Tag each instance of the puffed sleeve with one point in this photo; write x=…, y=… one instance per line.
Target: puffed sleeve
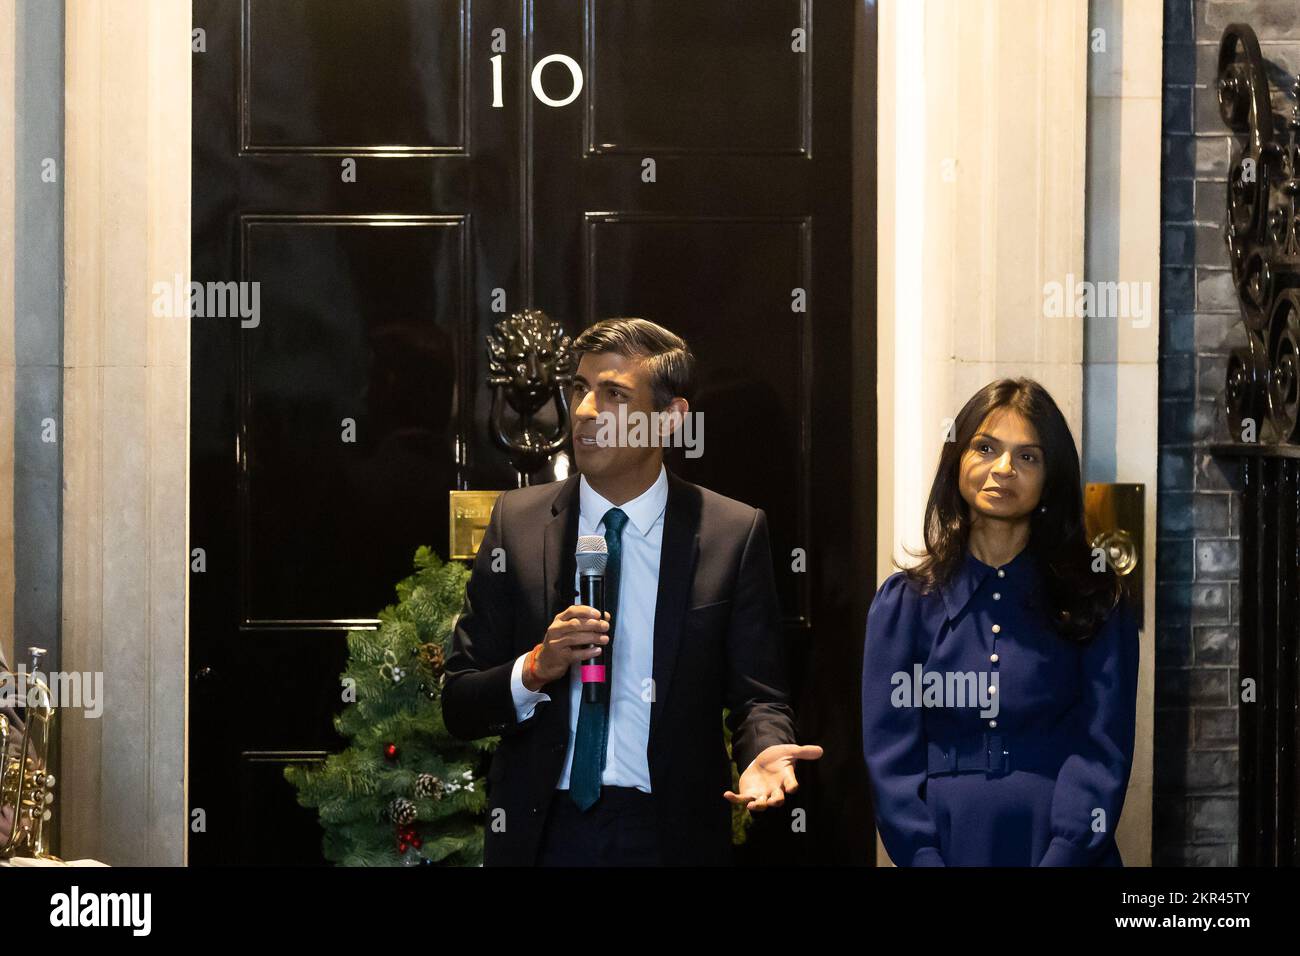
x=1091, y=784
x=893, y=738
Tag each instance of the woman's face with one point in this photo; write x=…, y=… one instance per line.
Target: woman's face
x=1002, y=469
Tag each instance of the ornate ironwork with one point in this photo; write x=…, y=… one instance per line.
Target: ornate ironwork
x=530, y=363
x=1262, y=390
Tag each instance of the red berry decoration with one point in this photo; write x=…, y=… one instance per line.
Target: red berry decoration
x=390, y=751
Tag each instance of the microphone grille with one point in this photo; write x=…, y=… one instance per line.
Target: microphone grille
x=592, y=554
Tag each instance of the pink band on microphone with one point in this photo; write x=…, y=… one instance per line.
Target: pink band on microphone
x=593, y=673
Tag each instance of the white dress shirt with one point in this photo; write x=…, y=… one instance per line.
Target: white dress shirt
x=626, y=762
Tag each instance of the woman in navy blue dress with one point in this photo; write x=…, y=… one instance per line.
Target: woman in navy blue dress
x=999, y=678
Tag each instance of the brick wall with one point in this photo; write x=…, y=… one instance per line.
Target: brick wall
x=1198, y=594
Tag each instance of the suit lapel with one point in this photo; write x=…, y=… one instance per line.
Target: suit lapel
x=561, y=544
x=559, y=566
x=678, y=554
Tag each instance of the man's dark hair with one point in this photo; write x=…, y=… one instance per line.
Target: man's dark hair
x=667, y=357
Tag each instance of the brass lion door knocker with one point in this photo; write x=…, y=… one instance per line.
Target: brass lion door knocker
x=530, y=362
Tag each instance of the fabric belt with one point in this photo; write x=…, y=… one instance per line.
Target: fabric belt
x=995, y=754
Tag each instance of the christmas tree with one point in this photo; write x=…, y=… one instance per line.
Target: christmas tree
x=404, y=792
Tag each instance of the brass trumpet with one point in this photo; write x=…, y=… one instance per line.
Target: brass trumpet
x=26, y=785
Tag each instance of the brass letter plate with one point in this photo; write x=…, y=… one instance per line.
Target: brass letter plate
x=470, y=511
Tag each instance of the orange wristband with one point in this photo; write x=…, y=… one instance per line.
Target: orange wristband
x=530, y=665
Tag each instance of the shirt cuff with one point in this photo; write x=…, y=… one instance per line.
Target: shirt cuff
x=1061, y=852
x=526, y=700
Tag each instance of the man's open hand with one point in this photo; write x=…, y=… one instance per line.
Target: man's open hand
x=770, y=777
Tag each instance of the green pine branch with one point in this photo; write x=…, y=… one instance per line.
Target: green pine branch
x=396, y=681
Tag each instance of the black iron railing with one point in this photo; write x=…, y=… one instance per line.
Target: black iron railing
x=1261, y=401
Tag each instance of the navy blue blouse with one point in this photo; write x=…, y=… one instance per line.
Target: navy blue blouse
x=990, y=739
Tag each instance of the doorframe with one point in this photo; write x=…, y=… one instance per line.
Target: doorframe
x=864, y=408
x=125, y=438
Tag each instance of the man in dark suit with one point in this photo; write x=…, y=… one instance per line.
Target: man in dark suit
x=642, y=776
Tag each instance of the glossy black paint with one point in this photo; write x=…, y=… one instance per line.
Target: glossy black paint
x=376, y=294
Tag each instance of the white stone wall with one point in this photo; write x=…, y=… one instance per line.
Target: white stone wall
x=985, y=168
x=126, y=401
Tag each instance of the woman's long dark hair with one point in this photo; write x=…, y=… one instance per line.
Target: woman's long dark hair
x=1078, y=598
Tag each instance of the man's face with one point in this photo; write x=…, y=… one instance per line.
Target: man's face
x=603, y=382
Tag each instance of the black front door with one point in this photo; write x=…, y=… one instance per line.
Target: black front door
x=352, y=160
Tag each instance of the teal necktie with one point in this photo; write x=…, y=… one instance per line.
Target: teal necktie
x=593, y=718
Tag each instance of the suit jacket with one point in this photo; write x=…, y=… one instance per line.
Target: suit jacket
x=717, y=642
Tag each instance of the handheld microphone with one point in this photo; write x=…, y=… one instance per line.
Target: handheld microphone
x=592, y=555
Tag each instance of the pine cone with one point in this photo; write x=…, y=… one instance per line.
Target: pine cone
x=401, y=811
x=427, y=785
x=432, y=657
